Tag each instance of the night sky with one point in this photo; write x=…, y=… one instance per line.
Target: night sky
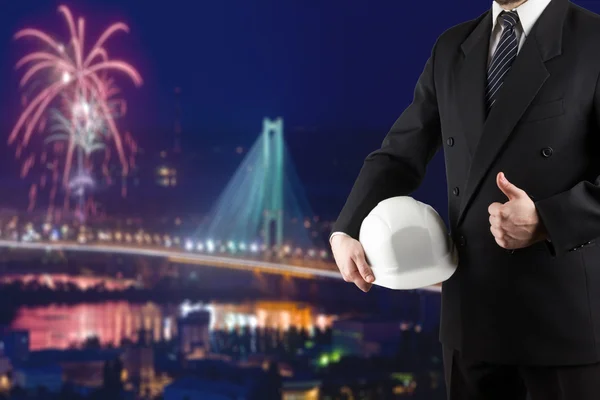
x=339, y=72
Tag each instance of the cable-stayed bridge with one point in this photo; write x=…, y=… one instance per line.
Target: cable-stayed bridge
x=176, y=255
x=262, y=222
x=264, y=201
x=292, y=267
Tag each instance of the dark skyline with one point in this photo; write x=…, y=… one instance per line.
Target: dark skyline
x=339, y=74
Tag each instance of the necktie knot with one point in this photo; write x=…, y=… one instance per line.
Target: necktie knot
x=509, y=19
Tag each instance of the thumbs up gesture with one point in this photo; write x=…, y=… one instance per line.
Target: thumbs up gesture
x=516, y=223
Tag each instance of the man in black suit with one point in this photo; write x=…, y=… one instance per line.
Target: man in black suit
x=513, y=97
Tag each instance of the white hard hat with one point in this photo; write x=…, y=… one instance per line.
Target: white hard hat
x=407, y=244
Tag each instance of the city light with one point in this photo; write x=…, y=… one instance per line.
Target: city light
x=54, y=235
x=231, y=245
x=33, y=233
x=210, y=246
x=187, y=308
x=103, y=236
x=324, y=360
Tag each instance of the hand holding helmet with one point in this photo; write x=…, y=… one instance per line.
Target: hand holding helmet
x=407, y=244
x=403, y=244
x=350, y=258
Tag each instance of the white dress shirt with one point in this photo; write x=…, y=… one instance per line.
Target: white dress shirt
x=529, y=12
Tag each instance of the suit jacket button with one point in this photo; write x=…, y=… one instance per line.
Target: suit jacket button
x=455, y=191
x=450, y=141
x=462, y=241
x=547, y=152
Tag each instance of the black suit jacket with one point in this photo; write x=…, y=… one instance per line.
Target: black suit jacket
x=538, y=305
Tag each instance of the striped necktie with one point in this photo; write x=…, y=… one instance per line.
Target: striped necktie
x=503, y=57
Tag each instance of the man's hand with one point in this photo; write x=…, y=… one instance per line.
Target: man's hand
x=516, y=223
x=350, y=258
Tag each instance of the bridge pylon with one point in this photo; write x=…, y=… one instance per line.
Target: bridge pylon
x=273, y=164
x=263, y=206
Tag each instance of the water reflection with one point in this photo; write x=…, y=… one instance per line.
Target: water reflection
x=69, y=326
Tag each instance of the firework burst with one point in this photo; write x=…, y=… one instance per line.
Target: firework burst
x=78, y=97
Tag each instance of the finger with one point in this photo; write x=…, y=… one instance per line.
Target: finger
x=502, y=243
x=346, y=277
x=362, y=285
x=494, y=220
x=349, y=271
x=352, y=274
x=494, y=209
x=363, y=267
x=497, y=232
x=509, y=189
x=505, y=241
x=343, y=264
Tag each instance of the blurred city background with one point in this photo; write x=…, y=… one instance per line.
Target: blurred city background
x=169, y=175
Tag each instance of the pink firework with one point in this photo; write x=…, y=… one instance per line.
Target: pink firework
x=76, y=77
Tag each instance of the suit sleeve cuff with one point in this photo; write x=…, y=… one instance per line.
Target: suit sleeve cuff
x=547, y=209
x=550, y=247
x=335, y=234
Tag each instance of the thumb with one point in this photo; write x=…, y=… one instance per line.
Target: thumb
x=509, y=189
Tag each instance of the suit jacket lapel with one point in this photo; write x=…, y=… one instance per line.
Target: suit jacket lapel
x=525, y=78
x=472, y=81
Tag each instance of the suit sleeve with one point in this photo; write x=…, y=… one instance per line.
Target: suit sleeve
x=572, y=218
x=398, y=167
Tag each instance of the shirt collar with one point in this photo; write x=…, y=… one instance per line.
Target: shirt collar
x=529, y=12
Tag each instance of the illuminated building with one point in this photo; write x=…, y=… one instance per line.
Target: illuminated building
x=308, y=390
x=5, y=368
x=15, y=345
x=138, y=367
x=195, y=388
x=30, y=378
x=213, y=379
x=80, y=367
x=366, y=337
x=166, y=172
x=193, y=331
x=166, y=176
x=138, y=362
